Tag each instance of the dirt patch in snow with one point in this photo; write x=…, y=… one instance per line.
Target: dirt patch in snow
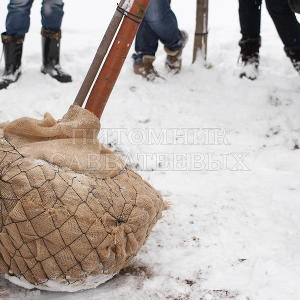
x=138, y=270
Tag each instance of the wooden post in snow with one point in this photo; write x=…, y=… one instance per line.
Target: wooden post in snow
x=201, y=33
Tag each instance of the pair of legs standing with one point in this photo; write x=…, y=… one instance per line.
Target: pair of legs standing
x=17, y=25
x=18, y=16
x=159, y=24
x=285, y=22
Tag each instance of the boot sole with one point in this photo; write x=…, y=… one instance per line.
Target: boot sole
x=244, y=75
x=9, y=82
x=57, y=78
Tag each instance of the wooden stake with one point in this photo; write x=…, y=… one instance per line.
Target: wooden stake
x=116, y=57
x=201, y=33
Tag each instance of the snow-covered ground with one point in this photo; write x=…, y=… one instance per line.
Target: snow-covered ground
x=233, y=230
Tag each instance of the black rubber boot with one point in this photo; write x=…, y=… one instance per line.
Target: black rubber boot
x=294, y=54
x=249, y=57
x=51, y=52
x=12, y=49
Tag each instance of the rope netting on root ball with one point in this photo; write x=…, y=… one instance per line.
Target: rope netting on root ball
x=72, y=214
x=67, y=223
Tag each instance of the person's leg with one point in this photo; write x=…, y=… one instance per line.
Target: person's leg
x=18, y=17
x=285, y=21
x=287, y=27
x=12, y=50
x=17, y=25
x=163, y=22
x=250, y=22
x=146, y=42
x=250, y=18
x=160, y=23
x=52, y=15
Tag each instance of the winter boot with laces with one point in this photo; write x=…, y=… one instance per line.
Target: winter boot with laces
x=144, y=66
x=51, y=53
x=294, y=54
x=12, y=49
x=249, y=57
x=174, y=58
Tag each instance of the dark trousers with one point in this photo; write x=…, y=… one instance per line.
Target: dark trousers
x=18, y=17
x=284, y=19
x=159, y=24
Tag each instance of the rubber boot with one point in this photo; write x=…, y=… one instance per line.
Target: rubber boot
x=51, y=54
x=249, y=57
x=12, y=49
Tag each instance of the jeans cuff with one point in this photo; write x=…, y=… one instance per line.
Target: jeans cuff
x=138, y=56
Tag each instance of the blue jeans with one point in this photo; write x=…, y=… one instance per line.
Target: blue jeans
x=284, y=19
x=160, y=23
x=18, y=17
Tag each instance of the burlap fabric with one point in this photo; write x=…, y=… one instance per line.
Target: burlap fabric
x=70, y=209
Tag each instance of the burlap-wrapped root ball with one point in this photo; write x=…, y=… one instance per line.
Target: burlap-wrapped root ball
x=72, y=214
